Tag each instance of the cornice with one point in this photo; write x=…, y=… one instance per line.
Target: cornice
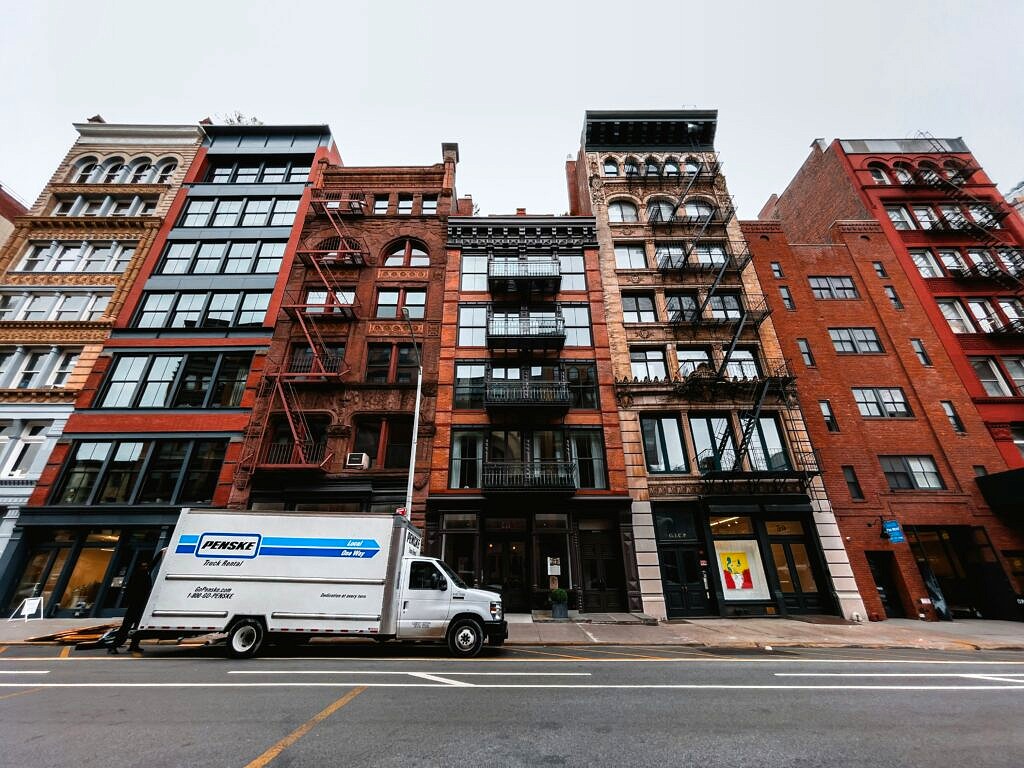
x=38, y=395
x=761, y=227
x=88, y=222
x=109, y=189
x=523, y=232
x=124, y=133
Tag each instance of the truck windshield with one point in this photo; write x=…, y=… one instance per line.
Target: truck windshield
x=452, y=575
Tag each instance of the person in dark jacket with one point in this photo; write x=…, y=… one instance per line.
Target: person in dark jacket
x=138, y=589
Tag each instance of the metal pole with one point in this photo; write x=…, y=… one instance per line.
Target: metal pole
x=415, y=416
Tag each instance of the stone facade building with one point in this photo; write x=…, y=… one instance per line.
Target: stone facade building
x=65, y=271
x=728, y=511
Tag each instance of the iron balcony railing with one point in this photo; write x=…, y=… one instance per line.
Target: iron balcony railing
x=499, y=394
x=529, y=476
x=526, y=330
x=305, y=454
x=697, y=259
x=753, y=309
x=720, y=215
x=304, y=364
x=758, y=462
x=518, y=269
x=342, y=202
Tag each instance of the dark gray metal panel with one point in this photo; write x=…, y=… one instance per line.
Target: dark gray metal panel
x=211, y=282
x=230, y=233
x=246, y=190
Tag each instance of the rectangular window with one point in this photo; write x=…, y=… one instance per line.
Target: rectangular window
x=777, y=269
x=911, y=472
x=882, y=402
x=954, y=418
x=925, y=262
x=805, y=352
x=1015, y=367
x=469, y=385
x=879, y=269
x=833, y=287
x=202, y=310
x=586, y=446
x=404, y=205
x=429, y=207
x=990, y=376
x=648, y=364
x=582, y=381
x=787, y=297
x=227, y=213
x=667, y=255
x=113, y=472
x=638, y=308
x=26, y=440
x=828, y=415
x=691, y=358
x=472, y=326
x=1017, y=432
x=663, y=444
x=900, y=217
x=629, y=256
x=955, y=315
x=62, y=370
x=725, y=306
x=284, y=213
x=474, y=273
x=380, y=204
x=952, y=261
x=855, y=341
x=391, y=302
x=767, y=451
x=921, y=352
x=894, y=298
x=682, y=307
x=467, y=459
x=713, y=443
x=256, y=213
x=573, y=273
x=577, y=326
x=925, y=216
x=195, y=380
x=852, y=484
x=984, y=314
x=391, y=364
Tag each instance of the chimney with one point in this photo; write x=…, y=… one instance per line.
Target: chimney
x=520, y=211
x=450, y=151
x=96, y=119
x=206, y=121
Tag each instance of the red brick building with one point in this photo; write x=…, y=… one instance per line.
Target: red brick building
x=332, y=425
x=528, y=480
x=895, y=267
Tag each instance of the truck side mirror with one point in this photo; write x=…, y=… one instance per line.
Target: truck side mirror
x=440, y=583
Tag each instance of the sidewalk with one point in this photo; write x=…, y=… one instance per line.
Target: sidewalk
x=715, y=633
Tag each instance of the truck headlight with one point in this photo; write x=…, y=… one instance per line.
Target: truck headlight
x=496, y=611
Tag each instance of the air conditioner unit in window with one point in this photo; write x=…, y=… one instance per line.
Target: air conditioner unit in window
x=357, y=461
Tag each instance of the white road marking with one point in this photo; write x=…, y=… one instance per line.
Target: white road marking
x=1002, y=679
x=586, y=632
x=894, y=674
x=445, y=680
x=375, y=672
x=24, y=671
x=494, y=686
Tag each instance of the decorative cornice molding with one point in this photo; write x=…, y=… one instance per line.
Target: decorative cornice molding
x=515, y=232
x=115, y=223
x=761, y=226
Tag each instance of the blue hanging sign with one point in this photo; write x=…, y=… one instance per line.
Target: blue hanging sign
x=893, y=531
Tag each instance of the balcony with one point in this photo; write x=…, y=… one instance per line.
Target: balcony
x=329, y=252
x=307, y=455
x=341, y=312
x=526, y=332
x=751, y=311
x=739, y=381
x=1010, y=327
x=759, y=468
x=697, y=260
x=694, y=216
x=548, y=396
x=529, y=477
x=339, y=202
x=523, y=275
x=307, y=369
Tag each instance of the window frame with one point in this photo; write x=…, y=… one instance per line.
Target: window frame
x=832, y=288
x=901, y=465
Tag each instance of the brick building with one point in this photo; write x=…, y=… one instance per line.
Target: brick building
x=332, y=424
x=65, y=272
x=10, y=206
x=728, y=513
x=160, y=419
x=906, y=256
x=527, y=482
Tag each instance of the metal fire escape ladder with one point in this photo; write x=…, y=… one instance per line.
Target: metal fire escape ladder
x=751, y=423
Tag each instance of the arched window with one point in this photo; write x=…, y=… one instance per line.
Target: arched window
x=611, y=166
x=955, y=171
x=651, y=167
x=631, y=167
x=622, y=211
x=141, y=171
x=903, y=173
x=879, y=174
x=112, y=170
x=692, y=167
x=660, y=210
x=407, y=253
x=165, y=170
x=671, y=167
x=929, y=172
x=698, y=209
x=86, y=168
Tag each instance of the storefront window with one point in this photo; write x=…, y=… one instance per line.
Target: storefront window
x=466, y=522
x=86, y=579
x=30, y=577
x=550, y=521
x=740, y=570
x=785, y=528
x=675, y=525
x=782, y=569
x=459, y=551
x=730, y=526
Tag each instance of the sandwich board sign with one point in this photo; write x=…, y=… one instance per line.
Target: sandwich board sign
x=30, y=608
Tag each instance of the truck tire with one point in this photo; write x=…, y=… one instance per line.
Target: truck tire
x=465, y=638
x=244, y=639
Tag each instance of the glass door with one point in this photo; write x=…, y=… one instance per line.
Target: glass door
x=795, y=569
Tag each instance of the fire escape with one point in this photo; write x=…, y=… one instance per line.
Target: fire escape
x=284, y=435
x=953, y=184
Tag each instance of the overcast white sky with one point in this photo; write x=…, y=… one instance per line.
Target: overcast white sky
x=510, y=81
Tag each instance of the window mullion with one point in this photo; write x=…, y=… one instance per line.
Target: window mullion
x=143, y=472
x=218, y=362
x=179, y=375
x=183, y=471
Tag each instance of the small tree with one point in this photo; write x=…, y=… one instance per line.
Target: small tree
x=239, y=118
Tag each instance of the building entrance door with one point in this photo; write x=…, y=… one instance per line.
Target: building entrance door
x=601, y=562
x=883, y=571
x=794, y=568
x=505, y=569
x=685, y=581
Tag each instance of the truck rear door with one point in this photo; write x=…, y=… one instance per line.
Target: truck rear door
x=425, y=601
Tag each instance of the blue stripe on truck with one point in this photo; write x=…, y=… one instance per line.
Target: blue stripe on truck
x=288, y=541
x=317, y=552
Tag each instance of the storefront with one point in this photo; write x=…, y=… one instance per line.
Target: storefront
x=521, y=555
x=750, y=559
x=81, y=572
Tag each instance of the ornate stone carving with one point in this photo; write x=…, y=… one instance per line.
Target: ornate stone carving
x=1000, y=431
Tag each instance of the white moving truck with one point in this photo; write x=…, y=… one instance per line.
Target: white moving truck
x=292, y=576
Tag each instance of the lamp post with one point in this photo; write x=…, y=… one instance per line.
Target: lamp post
x=415, y=415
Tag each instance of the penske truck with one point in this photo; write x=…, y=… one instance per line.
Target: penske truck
x=273, y=577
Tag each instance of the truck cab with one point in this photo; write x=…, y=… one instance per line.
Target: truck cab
x=435, y=604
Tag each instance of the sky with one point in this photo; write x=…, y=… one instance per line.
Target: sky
x=510, y=82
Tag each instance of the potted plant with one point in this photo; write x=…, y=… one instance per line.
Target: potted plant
x=559, y=603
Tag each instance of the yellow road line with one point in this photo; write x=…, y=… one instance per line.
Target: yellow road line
x=302, y=730
x=19, y=693
x=65, y=651
x=3, y=648
x=550, y=653
x=645, y=657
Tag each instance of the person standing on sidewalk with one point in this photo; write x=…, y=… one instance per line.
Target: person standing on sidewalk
x=138, y=589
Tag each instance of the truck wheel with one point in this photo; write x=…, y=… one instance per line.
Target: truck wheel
x=465, y=638
x=244, y=639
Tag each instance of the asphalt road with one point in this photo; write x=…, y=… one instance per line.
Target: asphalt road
x=623, y=706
